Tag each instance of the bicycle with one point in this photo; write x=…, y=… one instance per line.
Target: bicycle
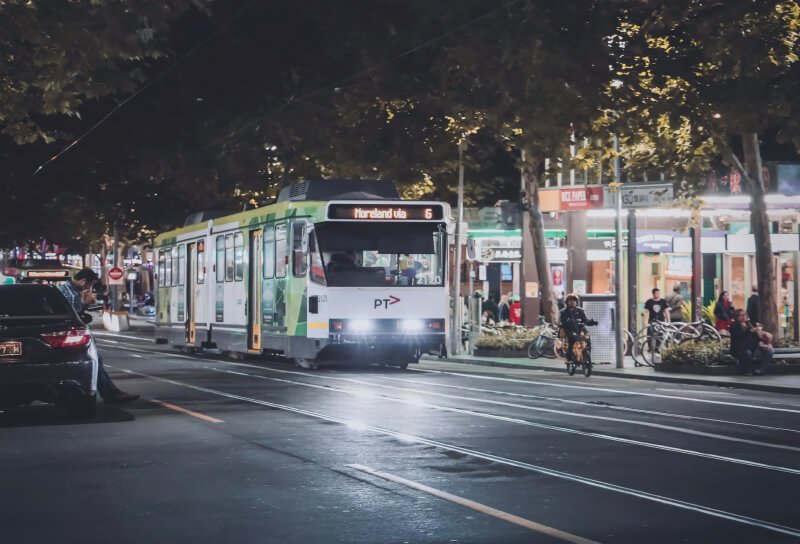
x=581, y=350
x=652, y=339
x=544, y=344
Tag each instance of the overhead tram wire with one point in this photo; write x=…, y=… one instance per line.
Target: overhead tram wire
x=149, y=84
x=311, y=94
x=337, y=84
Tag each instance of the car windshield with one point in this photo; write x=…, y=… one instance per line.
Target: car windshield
x=397, y=254
x=32, y=301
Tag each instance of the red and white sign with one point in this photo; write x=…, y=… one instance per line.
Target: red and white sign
x=581, y=198
x=115, y=276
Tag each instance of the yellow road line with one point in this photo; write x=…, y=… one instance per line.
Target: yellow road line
x=174, y=408
x=478, y=507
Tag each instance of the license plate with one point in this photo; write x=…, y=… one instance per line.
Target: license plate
x=10, y=348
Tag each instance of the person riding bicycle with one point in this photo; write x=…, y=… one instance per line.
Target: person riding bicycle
x=572, y=319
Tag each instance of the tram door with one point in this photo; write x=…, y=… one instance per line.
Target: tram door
x=254, y=294
x=189, y=292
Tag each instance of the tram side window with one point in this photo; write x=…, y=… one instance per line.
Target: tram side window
x=201, y=261
x=181, y=264
x=229, y=257
x=220, y=267
x=160, y=270
x=298, y=256
x=174, y=266
x=168, y=268
x=281, y=251
x=317, y=274
x=269, y=253
x=238, y=256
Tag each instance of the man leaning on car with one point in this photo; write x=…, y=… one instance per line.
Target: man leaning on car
x=73, y=291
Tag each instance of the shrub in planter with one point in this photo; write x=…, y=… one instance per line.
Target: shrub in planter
x=509, y=339
x=697, y=353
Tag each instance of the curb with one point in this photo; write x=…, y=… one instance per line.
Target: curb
x=768, y=388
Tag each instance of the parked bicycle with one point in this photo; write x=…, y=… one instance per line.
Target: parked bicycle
x=545, y=342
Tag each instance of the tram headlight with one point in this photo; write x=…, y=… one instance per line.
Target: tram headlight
x=361, y=325
x=412, y=325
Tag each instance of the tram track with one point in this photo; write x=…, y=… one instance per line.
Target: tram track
x=593, y=405
x=509, y=419
x=775, y=528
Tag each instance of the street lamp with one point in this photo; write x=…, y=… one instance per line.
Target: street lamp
x=620, y=355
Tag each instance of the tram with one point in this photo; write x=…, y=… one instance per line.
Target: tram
x=334, y=270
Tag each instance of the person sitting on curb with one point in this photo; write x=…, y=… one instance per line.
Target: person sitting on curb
x=749, y=344
x=73, y=291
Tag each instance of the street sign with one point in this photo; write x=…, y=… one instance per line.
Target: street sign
x=133, y=275
x=115, y=276
x=636, y=195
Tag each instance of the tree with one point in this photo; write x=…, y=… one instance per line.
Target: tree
x=57, y=55
x=722, y=71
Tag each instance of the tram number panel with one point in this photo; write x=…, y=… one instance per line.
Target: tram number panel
x=406, y=212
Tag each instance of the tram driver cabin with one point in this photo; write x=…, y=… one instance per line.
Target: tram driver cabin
x=334, y=270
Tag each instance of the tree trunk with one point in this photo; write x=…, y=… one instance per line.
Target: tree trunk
x=760, y=225
x=549, y=307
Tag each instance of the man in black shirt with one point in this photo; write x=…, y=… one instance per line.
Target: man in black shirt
x=656, y=309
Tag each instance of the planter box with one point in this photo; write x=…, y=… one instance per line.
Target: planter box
x=502, y=353
x=714, y=370
x=722, y=370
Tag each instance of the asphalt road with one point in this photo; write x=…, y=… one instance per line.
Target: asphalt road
x=257, y=451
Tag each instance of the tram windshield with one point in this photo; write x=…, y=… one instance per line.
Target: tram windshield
x=396, y=254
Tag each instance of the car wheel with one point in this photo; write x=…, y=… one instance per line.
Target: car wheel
x=82, y=406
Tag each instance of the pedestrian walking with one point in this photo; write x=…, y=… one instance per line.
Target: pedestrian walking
x=656, y=309
x=752, y=306
x=723, y=311
x=503, y=310
x=675, y=303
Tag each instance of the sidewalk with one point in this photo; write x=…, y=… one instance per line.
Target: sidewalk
x=782, y=383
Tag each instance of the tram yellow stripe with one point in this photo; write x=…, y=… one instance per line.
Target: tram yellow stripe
x=317, y=325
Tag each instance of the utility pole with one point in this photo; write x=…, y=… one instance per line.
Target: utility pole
x=457, y=309
x=618, y=312
x=113, y=288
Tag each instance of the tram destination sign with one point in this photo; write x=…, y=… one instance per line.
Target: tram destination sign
x=384, y=212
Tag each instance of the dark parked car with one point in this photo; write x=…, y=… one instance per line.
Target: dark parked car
x=47, y=353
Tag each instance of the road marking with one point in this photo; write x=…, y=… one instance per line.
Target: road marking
x=698, y=391
x=107, y=334
x=517, y=421
x=520, y=395
x=784, y=529
x=527, y=407
x=174, y=408
x=569, y=386
x=472, y=505
x=604, y=389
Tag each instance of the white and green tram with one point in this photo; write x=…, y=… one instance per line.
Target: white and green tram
x=334, y=270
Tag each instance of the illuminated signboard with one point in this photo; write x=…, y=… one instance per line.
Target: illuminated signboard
x=383, y=212
x=47, y=274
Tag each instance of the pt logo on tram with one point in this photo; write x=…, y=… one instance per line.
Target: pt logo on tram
x=385, y=302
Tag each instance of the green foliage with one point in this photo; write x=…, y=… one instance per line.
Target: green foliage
x=686, y=310
x=57, y=55
x=708, y=312
x=697, y=353
x=509, y=339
